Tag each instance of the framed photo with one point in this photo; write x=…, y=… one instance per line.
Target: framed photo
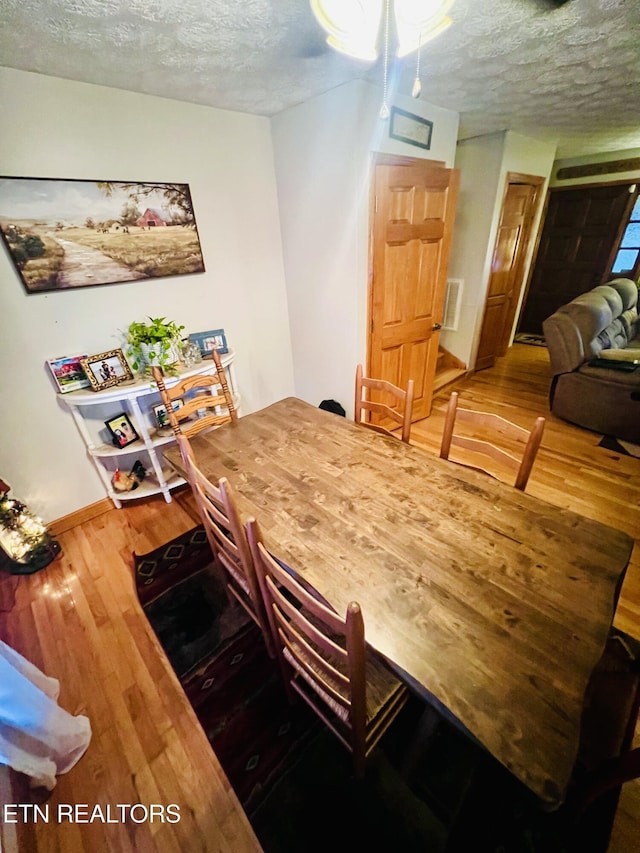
x=160, y=413
x=68, y=373
x=121, y=430
x=214, y=339
x=409, y=128
x=64, y=234
x=106, y=369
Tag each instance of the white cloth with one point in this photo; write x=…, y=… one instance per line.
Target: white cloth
x=37, y=736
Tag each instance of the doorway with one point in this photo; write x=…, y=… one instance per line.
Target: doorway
x=520, y=205
x=413, y=208
x=581, y=230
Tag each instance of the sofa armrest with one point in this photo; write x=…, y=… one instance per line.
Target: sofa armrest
x=564, y=343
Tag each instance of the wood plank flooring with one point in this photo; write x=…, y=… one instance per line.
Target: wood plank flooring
x=79, y=620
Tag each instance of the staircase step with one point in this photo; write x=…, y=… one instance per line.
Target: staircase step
x=447, y=376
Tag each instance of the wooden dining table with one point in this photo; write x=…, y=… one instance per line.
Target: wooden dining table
x=494, y=602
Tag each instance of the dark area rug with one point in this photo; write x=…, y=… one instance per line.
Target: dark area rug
x=427, y=787
x=186, y=603
x=624, y=448
x=532, y=340
x=396, y=806
x=217, y=652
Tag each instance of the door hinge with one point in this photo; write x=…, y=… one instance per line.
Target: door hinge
x=375, y=203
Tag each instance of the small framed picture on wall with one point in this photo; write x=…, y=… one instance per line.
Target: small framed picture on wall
x=410, y=128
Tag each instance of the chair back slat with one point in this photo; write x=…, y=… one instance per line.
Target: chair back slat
x=522, y=444
x=227, y=538
x=323, y=657
x=206, y=400
x=385, y=401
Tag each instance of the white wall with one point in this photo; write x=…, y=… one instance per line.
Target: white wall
x=323, y=151
x=479, y=160
x=63, y=129
x=484, y=162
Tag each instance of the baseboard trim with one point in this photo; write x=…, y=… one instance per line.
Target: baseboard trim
x=85, y=513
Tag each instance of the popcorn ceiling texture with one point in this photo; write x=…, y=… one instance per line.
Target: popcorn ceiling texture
x=569, y=75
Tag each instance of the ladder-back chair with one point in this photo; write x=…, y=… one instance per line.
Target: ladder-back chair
x=228, y=540
x=480, y=423
x=324, y=658
x=206, y=400
x=397, y=405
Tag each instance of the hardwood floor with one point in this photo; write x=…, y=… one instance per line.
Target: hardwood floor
x=79, y=620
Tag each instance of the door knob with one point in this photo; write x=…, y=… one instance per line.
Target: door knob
x=436, y=327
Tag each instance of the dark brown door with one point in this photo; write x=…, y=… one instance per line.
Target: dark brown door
x=580, y=230
x=414, y=209
x=513, y=240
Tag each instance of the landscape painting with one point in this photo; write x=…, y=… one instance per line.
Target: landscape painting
x=62, y=234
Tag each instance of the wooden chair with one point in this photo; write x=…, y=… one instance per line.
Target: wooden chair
x=203, y=406
x=228, y=540
x=483, y=421
x=399, y=407
x=324, y=659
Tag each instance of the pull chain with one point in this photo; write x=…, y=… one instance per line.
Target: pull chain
x=384, y=109
x=417, y=85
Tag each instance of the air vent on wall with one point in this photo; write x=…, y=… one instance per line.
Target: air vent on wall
x=452, y=303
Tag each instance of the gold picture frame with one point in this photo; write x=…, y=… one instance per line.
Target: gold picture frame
x=106, y=369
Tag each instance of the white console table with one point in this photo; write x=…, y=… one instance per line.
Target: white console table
x=90, y=410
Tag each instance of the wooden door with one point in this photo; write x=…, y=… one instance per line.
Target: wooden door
x=580, y=230
x=513, y=240
x=414, y=208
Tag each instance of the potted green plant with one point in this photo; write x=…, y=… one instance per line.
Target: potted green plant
x=154, y=343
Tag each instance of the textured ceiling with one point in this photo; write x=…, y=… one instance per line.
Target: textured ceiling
x=569, y=74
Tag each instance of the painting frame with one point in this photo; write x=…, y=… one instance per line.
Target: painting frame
x=410, y=128
x=68, y=373
x=122, y=431
x=210, y=339
x=66, y=233
x=117, y=368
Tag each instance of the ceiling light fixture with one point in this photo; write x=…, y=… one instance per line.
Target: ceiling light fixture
x=354, y=29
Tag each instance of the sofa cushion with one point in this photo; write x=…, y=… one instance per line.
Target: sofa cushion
x=628, y=354
x=602, y=319
x=628, y=291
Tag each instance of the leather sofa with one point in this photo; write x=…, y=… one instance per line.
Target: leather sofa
x=601, y=324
